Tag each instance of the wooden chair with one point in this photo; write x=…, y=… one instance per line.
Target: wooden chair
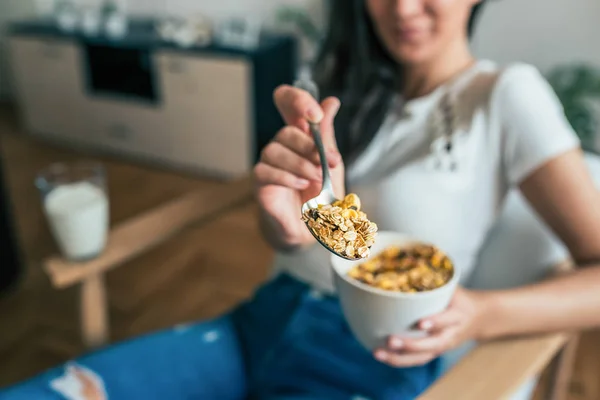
x=496, y=369
x=492, y=371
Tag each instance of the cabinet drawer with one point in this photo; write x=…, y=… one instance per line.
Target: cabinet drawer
x=48, y=82
x=129, y=128
x=216, y=82
x=60, y=60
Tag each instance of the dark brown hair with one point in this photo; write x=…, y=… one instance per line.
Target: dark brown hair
x=354, y=66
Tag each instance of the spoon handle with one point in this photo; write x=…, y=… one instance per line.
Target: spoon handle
x=316, y=133
x=312, y=88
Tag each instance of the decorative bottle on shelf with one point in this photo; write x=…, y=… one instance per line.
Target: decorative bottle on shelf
x=66, y=16
x=90, y=21
x=115, y=20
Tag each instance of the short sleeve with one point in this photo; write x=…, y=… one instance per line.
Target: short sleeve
x=533, y=125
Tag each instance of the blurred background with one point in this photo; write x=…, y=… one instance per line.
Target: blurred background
x=174, y=99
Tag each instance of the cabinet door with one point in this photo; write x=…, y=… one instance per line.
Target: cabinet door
x=208, y=109
x=48, y=81
x=128, y=127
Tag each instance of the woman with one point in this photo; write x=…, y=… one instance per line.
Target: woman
x=431, y=139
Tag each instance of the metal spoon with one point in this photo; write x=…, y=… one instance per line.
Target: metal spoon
x=327, y=195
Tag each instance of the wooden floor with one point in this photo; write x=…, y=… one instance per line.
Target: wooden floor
x=198, y=274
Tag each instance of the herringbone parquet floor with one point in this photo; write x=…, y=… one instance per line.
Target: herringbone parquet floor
x=194, y=275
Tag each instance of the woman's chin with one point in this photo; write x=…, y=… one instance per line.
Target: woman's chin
x=411, y=55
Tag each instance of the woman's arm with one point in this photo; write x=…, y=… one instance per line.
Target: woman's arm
x=563, y=193
x=540, y=154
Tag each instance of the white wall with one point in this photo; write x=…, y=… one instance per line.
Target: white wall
x=542, y=32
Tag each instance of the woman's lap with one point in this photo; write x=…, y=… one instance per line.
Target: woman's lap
x=312, y=351
x=167, y=364
x=287, y=343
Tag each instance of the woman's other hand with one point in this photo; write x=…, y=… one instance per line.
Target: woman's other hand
x=289, y=170
x=461, y=322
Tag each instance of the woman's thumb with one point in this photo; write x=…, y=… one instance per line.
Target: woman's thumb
x=330, y=106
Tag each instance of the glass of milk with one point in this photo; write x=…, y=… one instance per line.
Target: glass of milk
x=75, y=202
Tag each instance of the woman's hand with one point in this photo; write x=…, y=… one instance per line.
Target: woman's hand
x=289, y=171
x=461, y=322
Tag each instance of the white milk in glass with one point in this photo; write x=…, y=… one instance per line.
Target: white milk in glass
x=78, y=217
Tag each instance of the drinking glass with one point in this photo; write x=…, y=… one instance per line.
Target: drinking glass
x=76, y=206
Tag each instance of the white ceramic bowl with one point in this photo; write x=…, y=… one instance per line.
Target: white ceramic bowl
x=375, y=314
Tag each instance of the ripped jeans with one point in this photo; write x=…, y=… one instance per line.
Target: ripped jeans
x=288, y=342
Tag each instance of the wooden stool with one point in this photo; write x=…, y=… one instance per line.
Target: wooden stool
x=132, y=238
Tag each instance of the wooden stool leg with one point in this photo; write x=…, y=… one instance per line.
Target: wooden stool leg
x=562, y=370
x=94, y=312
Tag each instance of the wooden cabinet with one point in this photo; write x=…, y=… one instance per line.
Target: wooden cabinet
x=208, y=110
x=48, y=79
x=207, y=106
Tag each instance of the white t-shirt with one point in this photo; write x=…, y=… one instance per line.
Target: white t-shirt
x=507, y=122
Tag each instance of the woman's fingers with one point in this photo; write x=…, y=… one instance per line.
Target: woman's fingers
x=292, y=158
x=303, y=145
x=296, y=106
x=265, y=175
x=403, y=360
x=331, y=106
x=437, y=342
x=279, y=156
x=444, y=320
x=294, y=103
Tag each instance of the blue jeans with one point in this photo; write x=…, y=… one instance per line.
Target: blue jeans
x=288, y=342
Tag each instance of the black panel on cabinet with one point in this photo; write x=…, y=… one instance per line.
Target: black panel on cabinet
x=272, y=68
x=11, y=268
x=120, y=72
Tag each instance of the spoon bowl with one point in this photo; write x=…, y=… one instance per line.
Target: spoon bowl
x=325, y=197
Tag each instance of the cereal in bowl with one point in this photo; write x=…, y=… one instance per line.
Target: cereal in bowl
x=417, y=268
